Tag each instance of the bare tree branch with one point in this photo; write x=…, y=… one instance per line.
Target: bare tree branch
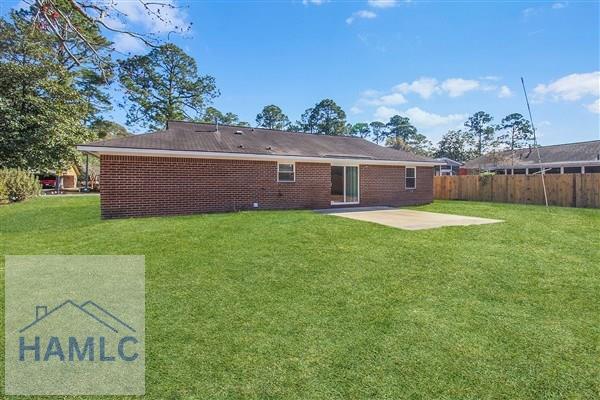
x=57, y=33
x=64, y=22
x=84, y=39
x=143, y=38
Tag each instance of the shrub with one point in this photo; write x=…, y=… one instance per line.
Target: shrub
x=17, y=185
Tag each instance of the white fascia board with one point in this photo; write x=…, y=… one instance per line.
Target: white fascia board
x=98, y=150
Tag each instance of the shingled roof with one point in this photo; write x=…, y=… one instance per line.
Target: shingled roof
x=237, y=140
x=557, y=154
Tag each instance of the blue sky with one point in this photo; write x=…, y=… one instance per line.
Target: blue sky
x=436, y=62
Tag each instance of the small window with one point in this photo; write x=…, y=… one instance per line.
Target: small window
x=572, y=170
x=589, y=169
x=286, y=173
x=411, y=178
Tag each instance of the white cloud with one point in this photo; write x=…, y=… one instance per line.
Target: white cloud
x=113, y=22
x=370, y=93
x=456, y=87
x=504, y=92
x=422, y=118
x=559, y=5
x=487, y=87
x=382, y=3
x=392, y=99
x=594, y=107
x=365, y=14
x=356, y=110
x=128, y=44
x=571, y=87
x=384, y=113
x=313, y=2
x=419, y=117
x=387, y=100
x=156, y=18
x=372, y=97
x=424, y=87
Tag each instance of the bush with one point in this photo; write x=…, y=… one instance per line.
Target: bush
x=17, y=185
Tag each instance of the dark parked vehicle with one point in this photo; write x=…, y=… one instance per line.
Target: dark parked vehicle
x=48, y=182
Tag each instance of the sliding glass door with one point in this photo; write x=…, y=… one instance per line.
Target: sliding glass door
x=351, y=184
x=337, y=184
x=344, y=185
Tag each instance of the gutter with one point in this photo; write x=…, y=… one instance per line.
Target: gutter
x=97, y=150
x=554, y=164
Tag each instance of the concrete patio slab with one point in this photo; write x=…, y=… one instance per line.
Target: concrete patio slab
x=406, y=219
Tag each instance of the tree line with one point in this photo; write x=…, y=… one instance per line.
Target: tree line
x=53, y=96
x=479, y=136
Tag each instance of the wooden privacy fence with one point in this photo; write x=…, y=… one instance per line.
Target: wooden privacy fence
x=566, y=190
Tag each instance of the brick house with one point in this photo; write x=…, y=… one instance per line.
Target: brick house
x=196, y=167
x=567, y=158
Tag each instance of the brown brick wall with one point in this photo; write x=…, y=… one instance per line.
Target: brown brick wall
x=142, y=186
x=145, y=186
x=382, y=185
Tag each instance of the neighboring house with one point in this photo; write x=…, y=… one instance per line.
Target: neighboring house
x=198, y=167
x=447, y=167
x=67, y=179
x=582, y=157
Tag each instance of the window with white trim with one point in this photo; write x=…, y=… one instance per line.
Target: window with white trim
x=411, y=178
x=286, y=172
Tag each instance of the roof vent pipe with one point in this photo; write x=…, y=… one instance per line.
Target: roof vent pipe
x=216, y=124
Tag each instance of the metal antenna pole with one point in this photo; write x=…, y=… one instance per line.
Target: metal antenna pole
x=535, y=143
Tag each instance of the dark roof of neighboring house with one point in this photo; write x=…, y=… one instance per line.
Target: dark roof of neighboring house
x=580, y=152
x=448, y=161
x=202, y=137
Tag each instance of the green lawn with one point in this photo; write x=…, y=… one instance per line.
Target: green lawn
x=295, y=304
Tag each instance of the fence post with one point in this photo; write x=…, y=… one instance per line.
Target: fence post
x=574, y=199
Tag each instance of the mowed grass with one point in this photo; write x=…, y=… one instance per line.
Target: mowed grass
x=294, y=304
